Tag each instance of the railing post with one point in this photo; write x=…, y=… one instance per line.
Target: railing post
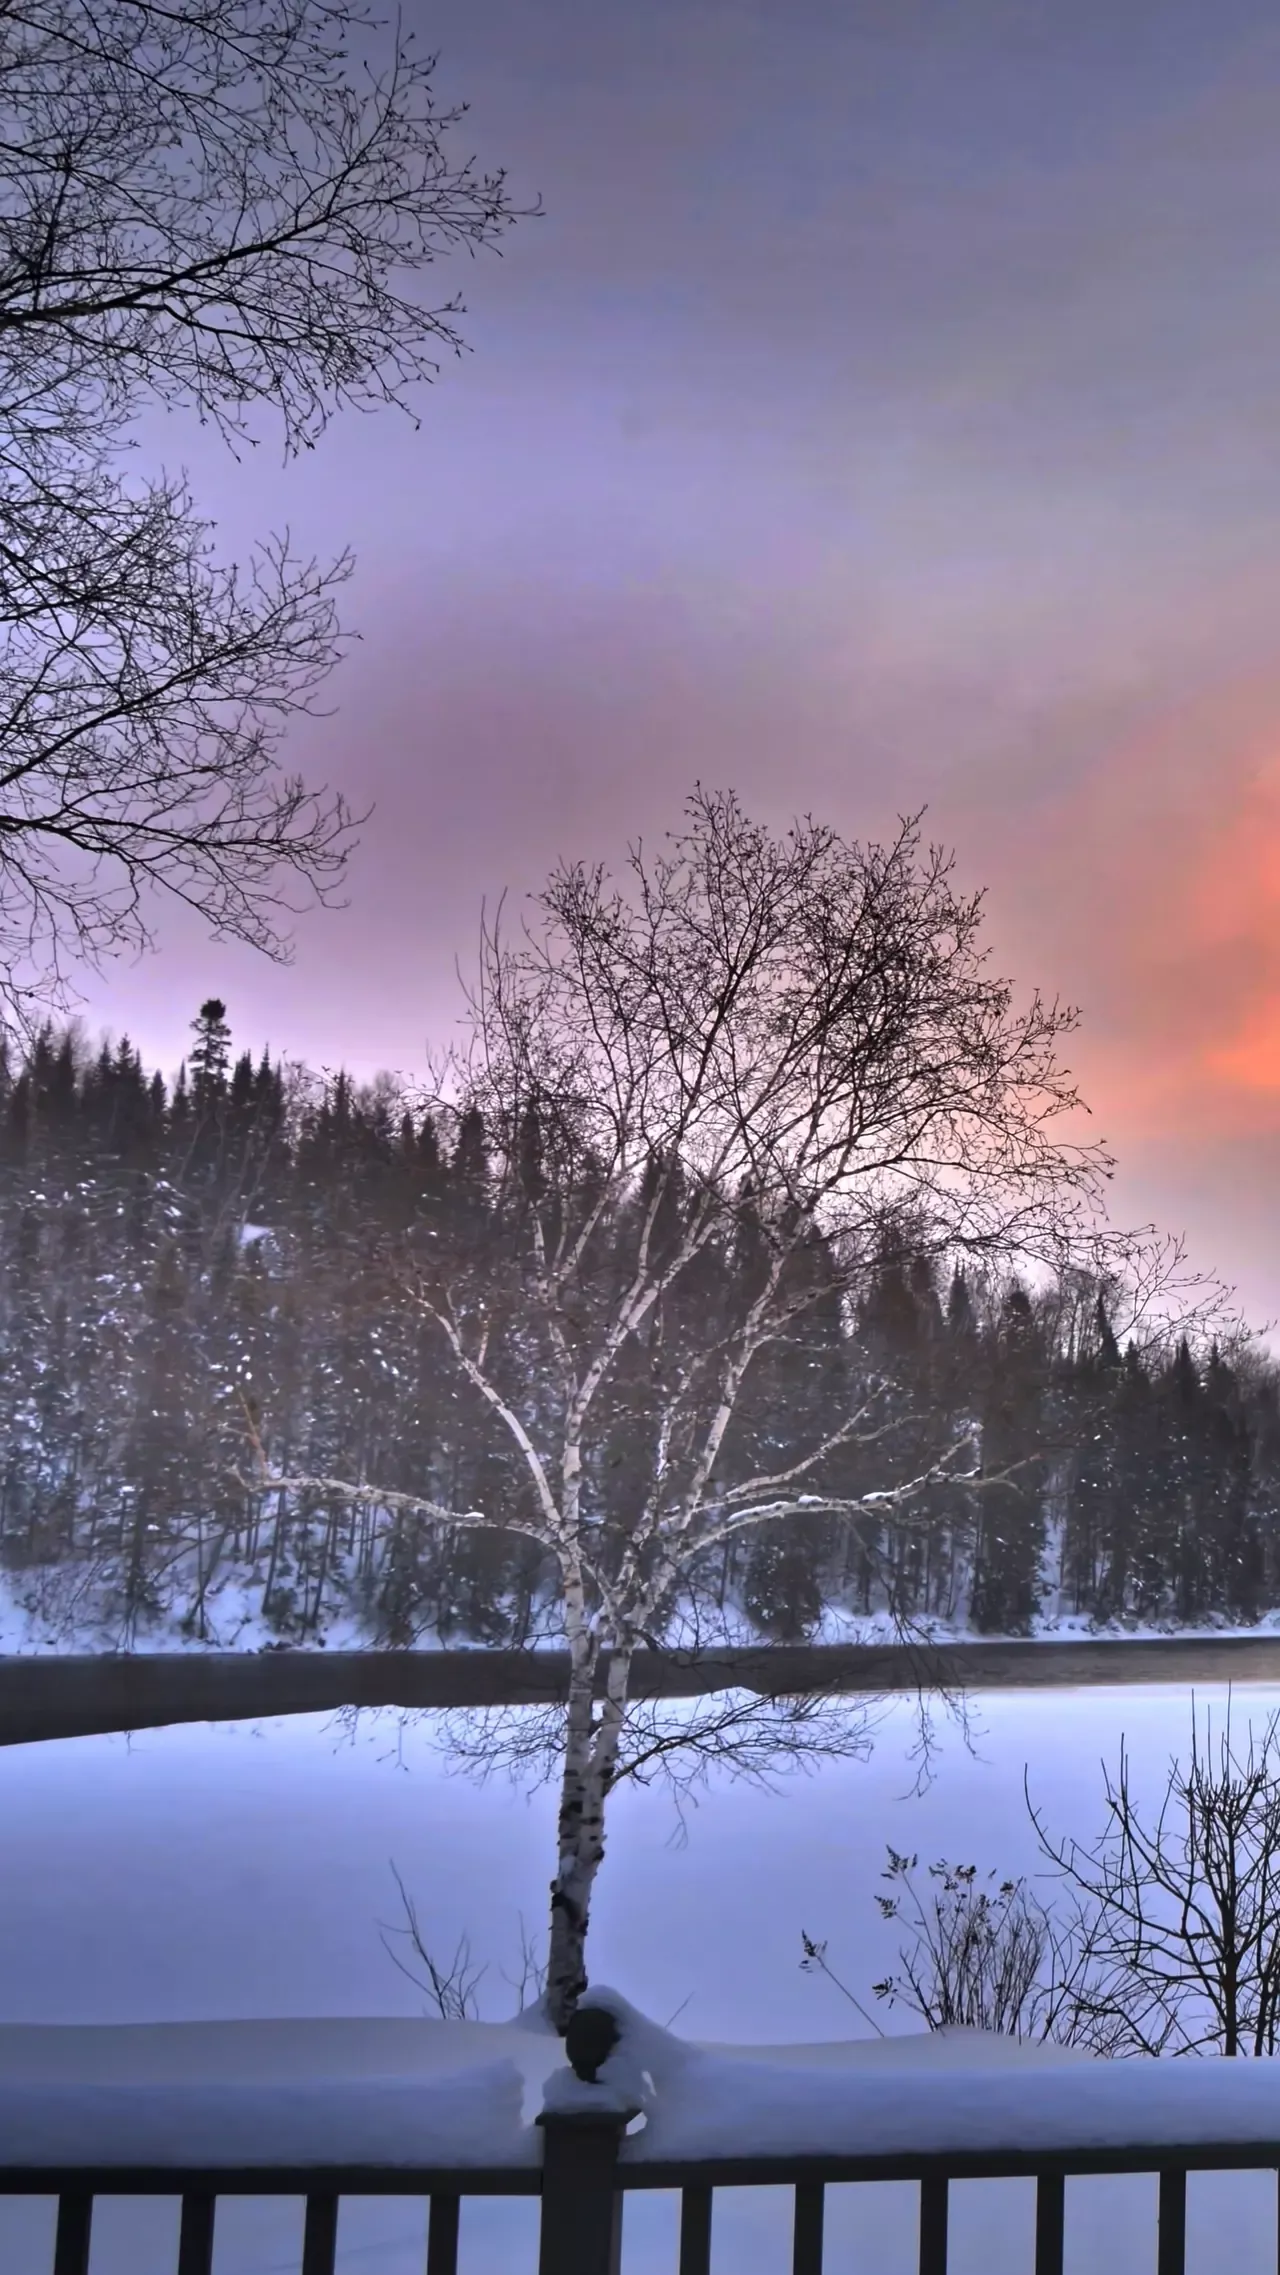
x=1171, y=2246
x=71, y=2243
x=806, y=2233
x=695, y=2230
x=320, y=2234
x=1051, y=2205
x=933, y=2224
x=581, y=2200
x=195, y=2236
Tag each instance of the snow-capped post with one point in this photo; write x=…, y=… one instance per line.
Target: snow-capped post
x=583, y=2121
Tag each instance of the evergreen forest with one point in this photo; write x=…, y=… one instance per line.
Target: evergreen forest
x=196, y=1267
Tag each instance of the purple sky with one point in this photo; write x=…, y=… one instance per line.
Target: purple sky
x=887, y=409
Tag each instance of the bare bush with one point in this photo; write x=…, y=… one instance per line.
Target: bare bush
x=1162, y=1936
x=1185, y=1896
x=453, y=1986
x=983, y=1953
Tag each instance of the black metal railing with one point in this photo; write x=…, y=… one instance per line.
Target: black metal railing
x=810, y=2178
x=583, y=2183
x=200, y=2192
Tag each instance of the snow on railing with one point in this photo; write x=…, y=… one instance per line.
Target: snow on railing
x=459, y=2123
x=702, y=2106
x=634, y=2108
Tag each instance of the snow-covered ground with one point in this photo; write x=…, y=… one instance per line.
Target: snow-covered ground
x=239, y=1873
x=58, y=1610
x=55, y=1611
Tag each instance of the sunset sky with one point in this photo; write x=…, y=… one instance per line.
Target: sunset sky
x=886, y=411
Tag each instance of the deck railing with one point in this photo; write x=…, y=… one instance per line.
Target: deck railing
x=583, y=2188
x=590, y=2161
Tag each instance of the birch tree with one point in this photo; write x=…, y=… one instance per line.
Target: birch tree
x=758, y=1048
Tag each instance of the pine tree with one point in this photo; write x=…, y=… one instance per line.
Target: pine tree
x=209, y=1057
x=1011, y=1516
x=1088, y=1388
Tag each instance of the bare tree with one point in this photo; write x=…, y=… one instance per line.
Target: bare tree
x=767, y=1050
x=219, y=205
x=1163, y=1935
x=453, y=1986
x=984, y=1953
x=1186, y=1897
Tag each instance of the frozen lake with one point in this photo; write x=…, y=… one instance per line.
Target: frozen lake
x=238, y=1871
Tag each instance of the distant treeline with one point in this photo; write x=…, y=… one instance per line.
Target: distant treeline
x=184, y=1265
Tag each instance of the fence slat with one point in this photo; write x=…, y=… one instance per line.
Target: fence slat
x=806, y=2250
x=695, y=2231
x=933, y=2226
x=195, y=2236
x=320, y=2235
x=71, y=2247
x=1051, y=2195
x=1171, y=2250
x=442, y=2235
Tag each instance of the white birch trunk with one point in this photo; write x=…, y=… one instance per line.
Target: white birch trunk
x=590, y=1767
